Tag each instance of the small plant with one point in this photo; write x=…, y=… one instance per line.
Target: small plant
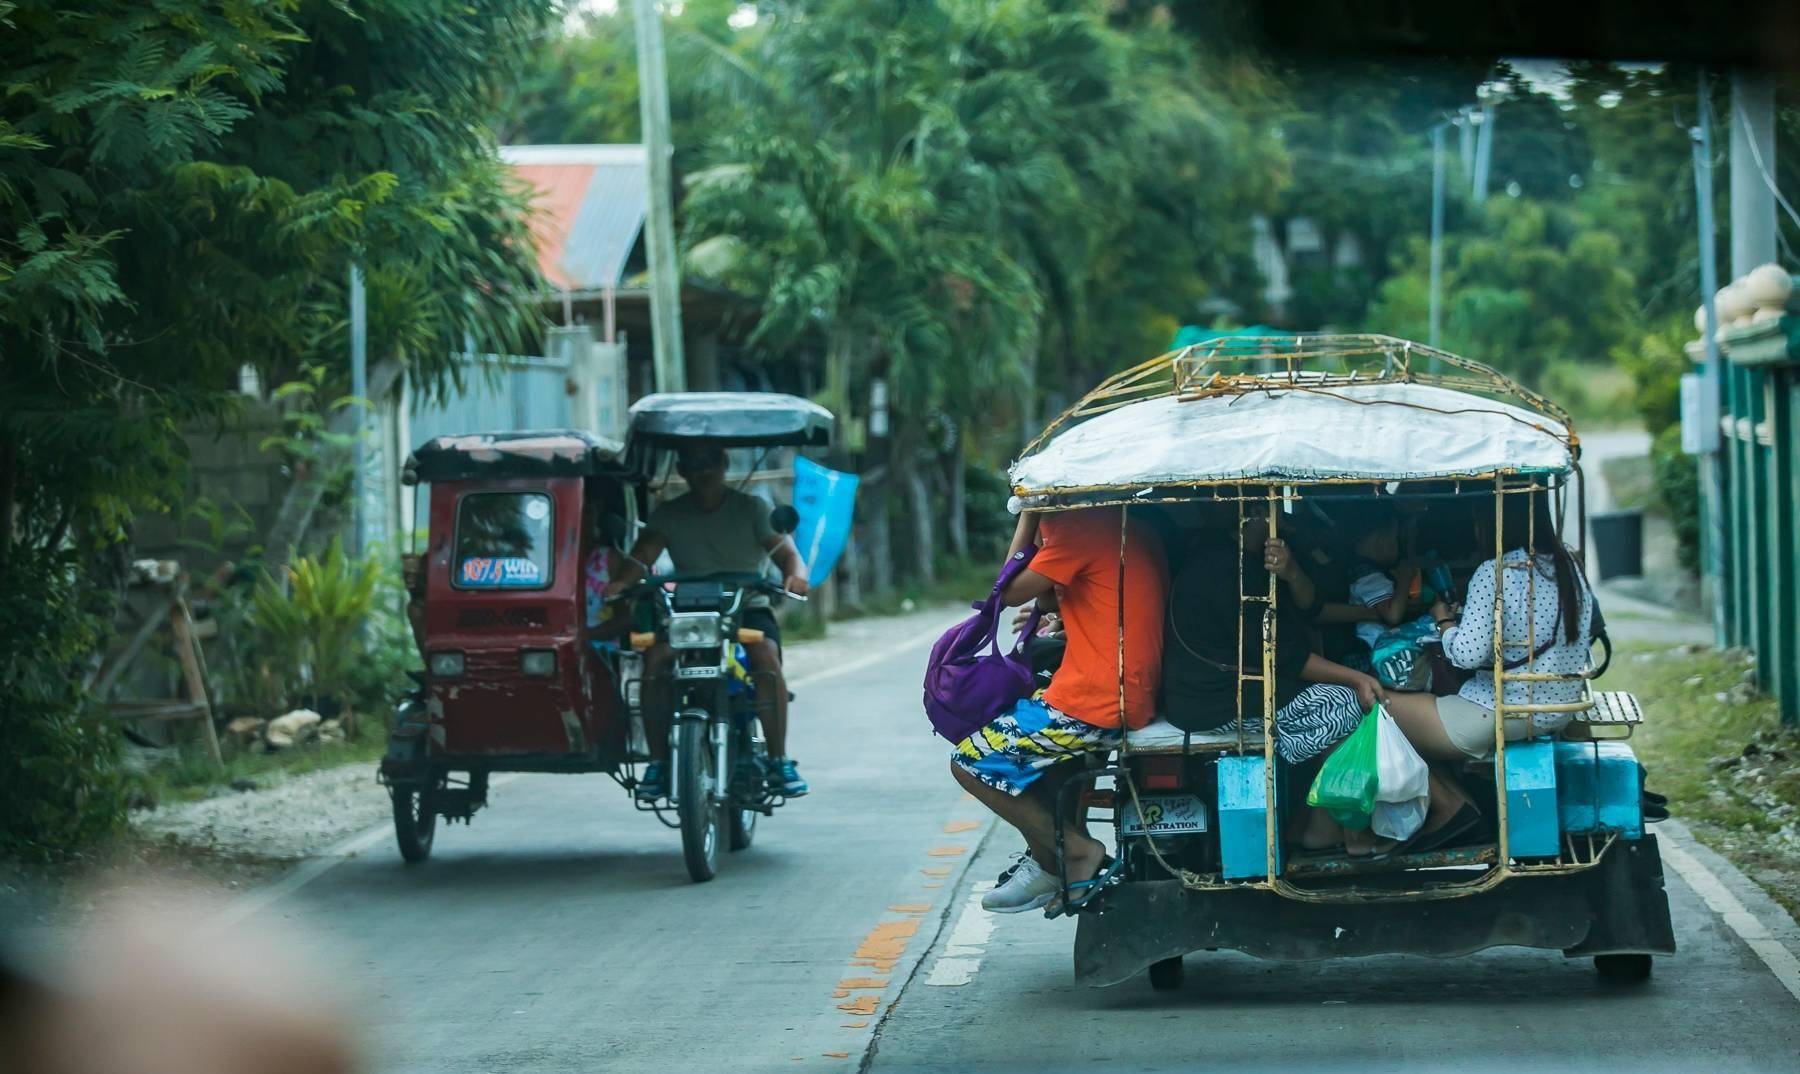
x=311, y=628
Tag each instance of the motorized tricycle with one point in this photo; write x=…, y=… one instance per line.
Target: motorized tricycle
x=1279, y=428
x=521, y=676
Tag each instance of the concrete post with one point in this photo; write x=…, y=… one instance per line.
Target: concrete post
x=575, y=346
x=1752, y=154
x=1753, y=243
x=1713, y=584
x=659, y=222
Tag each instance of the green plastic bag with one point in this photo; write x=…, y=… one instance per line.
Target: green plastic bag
x=1346, y=784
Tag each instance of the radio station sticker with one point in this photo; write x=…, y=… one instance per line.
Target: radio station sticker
x=499, y=572
x=1166, y=814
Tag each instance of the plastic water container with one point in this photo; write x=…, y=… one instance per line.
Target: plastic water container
x=1243, y=826
x=1532, y=828
x=1599, y=788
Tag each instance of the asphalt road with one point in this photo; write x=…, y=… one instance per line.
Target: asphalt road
x=559, y=932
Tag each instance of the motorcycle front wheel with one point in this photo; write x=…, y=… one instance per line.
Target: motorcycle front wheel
x=697, y=807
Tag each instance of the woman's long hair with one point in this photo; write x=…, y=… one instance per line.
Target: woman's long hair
x=1519, y=535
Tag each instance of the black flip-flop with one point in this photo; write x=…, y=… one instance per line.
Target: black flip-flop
x=1083, y=892
x=1466, y=820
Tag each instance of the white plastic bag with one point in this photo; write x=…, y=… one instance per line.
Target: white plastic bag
x=1403, y=783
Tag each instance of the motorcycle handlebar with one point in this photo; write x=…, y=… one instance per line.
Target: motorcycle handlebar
x=737, y=580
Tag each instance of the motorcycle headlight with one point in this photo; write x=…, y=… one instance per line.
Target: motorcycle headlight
x=541, y=662
x=698, y=630
x=446, y=665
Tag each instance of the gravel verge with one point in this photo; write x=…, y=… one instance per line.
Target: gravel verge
x=300, y=815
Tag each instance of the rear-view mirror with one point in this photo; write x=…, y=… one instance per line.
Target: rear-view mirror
x=785, y=519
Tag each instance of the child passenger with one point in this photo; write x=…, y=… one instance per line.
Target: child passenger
x=1387, y=586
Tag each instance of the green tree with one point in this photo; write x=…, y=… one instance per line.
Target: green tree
x=970, y=201
x=1358, y=135
x=183, y=185
x=1536, y=286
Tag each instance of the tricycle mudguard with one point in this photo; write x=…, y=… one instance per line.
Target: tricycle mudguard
x=1618, y=906
x=406, y=758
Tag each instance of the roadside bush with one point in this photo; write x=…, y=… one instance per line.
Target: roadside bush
x=1655, y=364
x=1678, y=485
x=60, y=785
x=308, y=626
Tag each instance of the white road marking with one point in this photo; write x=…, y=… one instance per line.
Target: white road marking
x=967, y=942
x=1748, y=926
x=873, y=658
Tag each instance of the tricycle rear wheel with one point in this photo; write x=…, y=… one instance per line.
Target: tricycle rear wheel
x=1165, y=976
x=415, y=823
x=695, y=803
x=1623, y=969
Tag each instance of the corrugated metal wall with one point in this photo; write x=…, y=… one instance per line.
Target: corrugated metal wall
x=501, y=394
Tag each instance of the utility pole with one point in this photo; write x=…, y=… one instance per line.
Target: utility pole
x=1753, y=224
x=659, y=222
x=1435, y=317
x=359, y=388
x=1753, y=231
x=1712, y=378
x=1465, y=138
x=1484, y=151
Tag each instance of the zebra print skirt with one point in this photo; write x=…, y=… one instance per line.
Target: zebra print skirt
x=1318, y=718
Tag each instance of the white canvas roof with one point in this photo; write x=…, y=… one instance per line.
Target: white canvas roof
x=1378, y=431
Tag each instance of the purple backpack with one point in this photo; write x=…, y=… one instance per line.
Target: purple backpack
x=968, y=680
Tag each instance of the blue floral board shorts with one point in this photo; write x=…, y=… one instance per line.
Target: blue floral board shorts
x=1012, y=750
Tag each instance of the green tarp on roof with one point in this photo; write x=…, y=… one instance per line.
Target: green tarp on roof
x=1191, y=334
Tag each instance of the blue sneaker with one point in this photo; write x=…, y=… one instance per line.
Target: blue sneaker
x=654, y=783
x=785, y=778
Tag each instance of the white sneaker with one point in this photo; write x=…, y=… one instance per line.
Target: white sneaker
x=1028, y=888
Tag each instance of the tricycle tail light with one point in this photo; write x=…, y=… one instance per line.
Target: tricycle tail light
x=446, y=665
x=1160, y=773
x=540, y=662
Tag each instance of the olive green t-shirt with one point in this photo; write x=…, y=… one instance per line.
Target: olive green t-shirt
x=732, y=537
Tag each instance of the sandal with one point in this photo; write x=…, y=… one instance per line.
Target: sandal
x=1083, y=892
x=1466, y=820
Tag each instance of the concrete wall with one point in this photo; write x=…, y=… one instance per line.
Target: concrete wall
x=231, y=470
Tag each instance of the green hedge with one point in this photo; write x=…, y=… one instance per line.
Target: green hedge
x=1678, y=485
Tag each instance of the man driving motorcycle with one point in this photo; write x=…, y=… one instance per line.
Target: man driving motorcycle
x=713, y=527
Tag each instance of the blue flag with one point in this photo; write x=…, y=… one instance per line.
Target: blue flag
x=824, y=499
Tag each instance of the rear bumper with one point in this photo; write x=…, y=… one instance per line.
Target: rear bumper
x=415, y=769
x=1618, y=906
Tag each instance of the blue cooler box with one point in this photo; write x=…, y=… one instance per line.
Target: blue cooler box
x=1599, y=788
x=1531, y=800
x=1243, y=826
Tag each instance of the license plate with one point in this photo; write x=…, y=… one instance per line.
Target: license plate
x=1166, y=814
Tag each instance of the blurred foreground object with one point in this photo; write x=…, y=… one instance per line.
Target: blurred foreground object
x=161, y=990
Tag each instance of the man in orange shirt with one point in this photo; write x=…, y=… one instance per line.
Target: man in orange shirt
x=1015, y=764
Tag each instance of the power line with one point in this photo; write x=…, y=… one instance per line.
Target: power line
x=1762, y=169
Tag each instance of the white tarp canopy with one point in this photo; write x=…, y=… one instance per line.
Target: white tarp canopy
x=1376, y=431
